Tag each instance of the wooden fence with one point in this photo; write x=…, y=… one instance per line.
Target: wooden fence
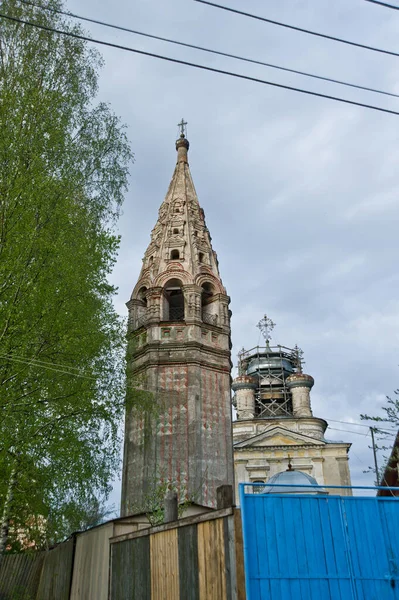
x=196, y=558
x=38, y=575
x=20, y=575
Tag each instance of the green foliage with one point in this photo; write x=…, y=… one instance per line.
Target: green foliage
x=384, y=437
x=63, y=171
x=154, y=501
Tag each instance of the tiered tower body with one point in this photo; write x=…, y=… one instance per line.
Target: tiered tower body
x=275, y=424
x=179, y=349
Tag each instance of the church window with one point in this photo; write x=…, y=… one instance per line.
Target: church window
x=173, y=304
x=195, y=233
x=201, y=257
x=174, y=255
x=141, y=310
x=208, y=306
x=151, y=260
x=141, y=296
x=258, y=489
x=176, y=231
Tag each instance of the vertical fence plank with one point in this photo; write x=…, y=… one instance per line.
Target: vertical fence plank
x=130, y=570
x=211, y=560
x=239, y=550
x=188, y=562
x=164, y=565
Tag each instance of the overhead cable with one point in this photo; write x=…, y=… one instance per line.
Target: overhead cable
x=71, y=370
x=208, y=50
x=357, y=424
x=198, y=66
x=308, y=31
x=348, y=431
x=383, y=4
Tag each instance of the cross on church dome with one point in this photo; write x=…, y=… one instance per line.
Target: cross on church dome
x=183, y=127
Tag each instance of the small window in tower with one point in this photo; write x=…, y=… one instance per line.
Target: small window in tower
x=200, y=257
x=195, y=233
x=151, y=260
x=174, y=255
x=176, y=231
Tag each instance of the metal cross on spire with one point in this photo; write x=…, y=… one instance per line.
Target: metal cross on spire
x=266, y=327
x=183, y=127
x=298, y=358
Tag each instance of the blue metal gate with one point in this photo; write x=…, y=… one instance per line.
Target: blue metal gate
x=320, y=547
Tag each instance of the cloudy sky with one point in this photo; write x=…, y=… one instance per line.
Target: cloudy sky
x=299, y=192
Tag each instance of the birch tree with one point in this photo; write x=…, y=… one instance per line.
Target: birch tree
x=64, y=161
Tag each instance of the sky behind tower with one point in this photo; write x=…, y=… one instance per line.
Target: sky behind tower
x=299, y=192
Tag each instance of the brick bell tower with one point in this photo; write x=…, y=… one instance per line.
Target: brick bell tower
x=179, y=347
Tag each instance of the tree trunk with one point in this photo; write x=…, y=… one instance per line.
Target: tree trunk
x=5, y=519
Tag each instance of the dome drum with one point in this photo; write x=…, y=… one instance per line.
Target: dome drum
x=299, y=380
x=244, y=382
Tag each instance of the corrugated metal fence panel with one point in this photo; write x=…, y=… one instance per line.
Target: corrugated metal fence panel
x=312, y=547
x=291, y=554
x=390, y=516
x=20, y=575
x=372, y=540
x=56, y=576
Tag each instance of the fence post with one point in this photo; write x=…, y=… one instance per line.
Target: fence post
x=224, y=496
x=170, y=505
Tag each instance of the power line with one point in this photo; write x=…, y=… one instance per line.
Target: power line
x=208, y=50
x=383, y=4
x=198, y=66
x=349, y=431
x=361, y=425
x=308, y=31
x=67, y=370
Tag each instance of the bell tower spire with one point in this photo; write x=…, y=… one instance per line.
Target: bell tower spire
x=179, y=346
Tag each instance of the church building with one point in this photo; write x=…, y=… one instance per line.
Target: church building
x=179, y=350
x=179, y=355
x=275, y=428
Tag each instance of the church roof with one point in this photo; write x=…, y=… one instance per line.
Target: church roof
x=292, y=478
x=180, y=244
x=278, y=436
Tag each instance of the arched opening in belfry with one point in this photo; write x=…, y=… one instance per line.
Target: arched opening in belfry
x=175, y=255
x=208, y=305
x=173, y=301
x=141, y=307
x=141, y=295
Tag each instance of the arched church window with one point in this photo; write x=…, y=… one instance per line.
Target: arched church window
x=173, y=301
x=142, y=307
x=141, y=294
x=174, y=255
x=208, y=305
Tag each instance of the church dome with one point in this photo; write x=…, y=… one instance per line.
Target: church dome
x=294, y=478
